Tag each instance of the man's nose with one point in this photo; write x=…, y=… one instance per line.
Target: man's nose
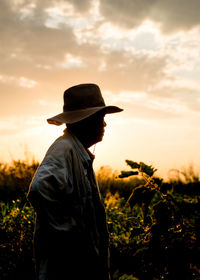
x=104, y=124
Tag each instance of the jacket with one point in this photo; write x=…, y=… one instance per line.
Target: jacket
x=71, y=218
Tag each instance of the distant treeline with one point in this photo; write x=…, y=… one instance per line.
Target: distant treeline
x=16, y=177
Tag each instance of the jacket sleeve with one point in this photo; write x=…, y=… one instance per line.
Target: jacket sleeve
x=51, y=194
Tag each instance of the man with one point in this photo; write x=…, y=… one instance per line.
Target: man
x=71, y=237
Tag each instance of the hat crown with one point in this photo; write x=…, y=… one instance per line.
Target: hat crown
x=82, y=96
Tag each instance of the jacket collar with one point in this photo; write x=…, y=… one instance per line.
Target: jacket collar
x=85, y=155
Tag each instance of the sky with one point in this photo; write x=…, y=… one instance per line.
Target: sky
x=144, y=55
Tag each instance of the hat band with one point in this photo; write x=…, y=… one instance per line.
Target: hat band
x=67, y=108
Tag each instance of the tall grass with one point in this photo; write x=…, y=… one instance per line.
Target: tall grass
x=15, y=178
x=109, y=182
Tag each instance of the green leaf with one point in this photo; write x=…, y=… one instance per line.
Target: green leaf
x=133, y=164
x=125, y=174
x=147, y=169
x=141, y=195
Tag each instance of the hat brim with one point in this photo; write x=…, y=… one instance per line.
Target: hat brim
x=78, y=115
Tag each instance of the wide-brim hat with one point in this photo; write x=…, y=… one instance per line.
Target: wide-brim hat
x=81, y=102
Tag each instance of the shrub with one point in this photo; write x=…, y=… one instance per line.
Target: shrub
x=16, y=235
x=156, y=234
x=15, y=179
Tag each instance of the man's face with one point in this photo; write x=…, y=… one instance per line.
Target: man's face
x=91, y=130
x=95, y=128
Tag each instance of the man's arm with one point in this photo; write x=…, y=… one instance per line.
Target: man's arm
x=51, y=195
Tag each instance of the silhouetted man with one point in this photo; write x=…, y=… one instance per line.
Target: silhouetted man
x=71, y=236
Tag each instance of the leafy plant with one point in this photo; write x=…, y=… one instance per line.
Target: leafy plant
x=162, y=239
x=128, y=277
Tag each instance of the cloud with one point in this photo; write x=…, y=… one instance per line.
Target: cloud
x=113, y=70
x=30, y=39
x=40, y=61
x=170, y=15
x=126, y=13
x=17, y=124
x=177, y=15
x=29, y=53
x=186, y=96
x=139, y=105
x=71, y=61
x=137, y=72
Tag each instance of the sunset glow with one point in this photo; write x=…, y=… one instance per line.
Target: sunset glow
x=144, y=55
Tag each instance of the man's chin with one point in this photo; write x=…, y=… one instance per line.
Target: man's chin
x=99, y=139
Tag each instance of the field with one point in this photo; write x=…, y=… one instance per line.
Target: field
x=154, y=225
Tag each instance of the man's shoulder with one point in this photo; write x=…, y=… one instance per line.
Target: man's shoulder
x=66, y=149
x=62, y=147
